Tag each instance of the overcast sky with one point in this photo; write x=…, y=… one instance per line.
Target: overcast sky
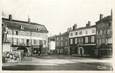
x=57, y=15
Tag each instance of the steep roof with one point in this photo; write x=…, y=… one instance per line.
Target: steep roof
x=17, y=24
x=80, y=28
x=105, y=19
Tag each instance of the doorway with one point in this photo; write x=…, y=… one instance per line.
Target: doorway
x=80, y=51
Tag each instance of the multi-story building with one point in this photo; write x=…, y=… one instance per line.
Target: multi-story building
x=51, y=44
x=82, y=40
x=24, y=33
x=104, y=36
x=62, y=43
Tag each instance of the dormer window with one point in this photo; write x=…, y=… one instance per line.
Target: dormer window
x=21, y=27
x=38, y=29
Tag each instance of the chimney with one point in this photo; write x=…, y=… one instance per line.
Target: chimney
x=111, y=12
x=29, y=20
x=101, y=16
x=88, y=24
x=74, y=26
x=10, y=17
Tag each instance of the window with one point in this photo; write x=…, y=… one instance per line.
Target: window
x=99, y=42
x=44, y=42
x=21, y=42
x=21, y=27
x=75, y=40
x=61, y=38
x=76, y=33
x=93, y=31
x=109, y=40
x=61, y=43
x=81, y=40
x=101, y=32
x=97, y=32
x=37, y=29
x=40, y=42
x=16, y=32
x=86, y=32
x=35, y=41
x=57, y=38
x=15, y=41
x=57, y=43
x=9, y=31
x=92, y=39
x=109, y=24
x=27, y=42
x=108, y=31
x=103, y=40
x=71, y=41
x=80, y=32
x=66, y=43
x=86, y=39
x=106, y=40
x=71, y=34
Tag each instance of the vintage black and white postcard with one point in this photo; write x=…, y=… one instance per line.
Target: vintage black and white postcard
x=57, y=35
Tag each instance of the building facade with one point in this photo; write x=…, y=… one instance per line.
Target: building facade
x=104, y=36
x=62, y=43
x=24, y=33
x=51, y=45
x=82, y=41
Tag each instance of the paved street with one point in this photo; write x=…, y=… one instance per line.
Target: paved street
x=59, y=62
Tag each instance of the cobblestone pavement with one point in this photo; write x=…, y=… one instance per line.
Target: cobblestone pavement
x=60, y=62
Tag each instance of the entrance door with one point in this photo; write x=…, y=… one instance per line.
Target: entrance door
x=80, y=51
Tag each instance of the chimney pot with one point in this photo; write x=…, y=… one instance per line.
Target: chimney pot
x=88, y=24
x=29, y=20
x=101, y=16
x=10, y=17
x=74, y=26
